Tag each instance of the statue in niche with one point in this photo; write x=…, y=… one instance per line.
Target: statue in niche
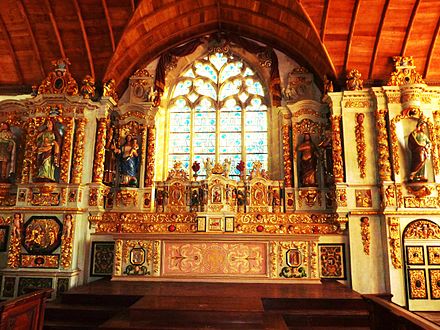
x=7, y=152
x=48, y=152
x=419, y=146
x=308, y=162
x=111, y=146
x=129, y=161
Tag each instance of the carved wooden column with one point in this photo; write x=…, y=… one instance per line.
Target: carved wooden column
x=67, y=147
x=78, y=151
x=29, y=151
x=338, y=163
x=382, y=146
x=151, y=139
x=98, y=164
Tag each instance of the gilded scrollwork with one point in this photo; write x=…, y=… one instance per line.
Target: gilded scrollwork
x=394, y=242
x=28, y=162
x=78, y=151
x=287, y=156
x=361, y=146
x=118, y=257
x=354, y=103
x=341, y=197
x=156, y=257
x=382, y=145
x=151, y=138
x=422, y=229
x=365, y=234
x=404, y=72
x=16, y=236
x=98, y=164
x=338, y=163
x=127, y=198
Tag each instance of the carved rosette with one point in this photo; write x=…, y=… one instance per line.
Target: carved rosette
x=65, y=153
x=365, y=234
x=67, y=246
x=338, y=163
x=78, y=151
x=394, y=241
x=28, y=161
x=151, y=138
x=287, y=156
x=98, y=164
x=360, y=144
x=382, y=146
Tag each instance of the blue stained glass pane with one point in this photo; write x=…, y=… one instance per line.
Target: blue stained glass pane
x=206, y=70
x=230, y=70
x=179, y=143
x=180, y=105
x=230, y=121
x=256, y=142
x=218, y=60
x=180, y=122
x=182, y=88
x=229, y=88
x=256, y=121
x=248, y=72
x=204, y=105
x=254, y=87
x=251, y=158
x=182, y=158
x=204, y=122
x=205, y=88
x=230, y=143
x=189, y=73
x=204, y=143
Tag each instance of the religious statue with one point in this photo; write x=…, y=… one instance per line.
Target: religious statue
x=328, y=85
x=308, y=162
x=129, y=161
x=88, y=87
x=226, y=167
x=195, y=200
x=354, y=81
x=419, y=146
x=208, y=167
x=7, y=152
x=111, y=145
x=48, y=152
x=16, y=226
x=241, y=200
x=68, y=224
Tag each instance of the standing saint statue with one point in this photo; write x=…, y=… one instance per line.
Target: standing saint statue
x=129, y=161
x=7, y=152
x=419, y=147
x=48, y=152
x=308, y=162
x=208, y=167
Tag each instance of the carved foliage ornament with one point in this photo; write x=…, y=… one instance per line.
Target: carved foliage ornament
x=287, y=156
x=338, y=163
x=394, y=241
x=404, y=72
x=382, y=146
x=422, y=229
x=59, y=81
x=365, y=234
x=360, y=144
x=354, y=81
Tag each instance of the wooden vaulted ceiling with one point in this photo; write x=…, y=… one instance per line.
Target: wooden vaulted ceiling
x=112, y=38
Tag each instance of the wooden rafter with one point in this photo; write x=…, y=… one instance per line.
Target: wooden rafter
x=11, y=50
x=376, y=43
x=324, y=19
x=86, y=39
x=133, y=5
x=350, y=33
x=109, y=24
x=431, y=48
x=55, y=28
x=409, y=27
x=32, y=35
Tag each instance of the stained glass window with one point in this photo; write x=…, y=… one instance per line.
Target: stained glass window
x=218, y=110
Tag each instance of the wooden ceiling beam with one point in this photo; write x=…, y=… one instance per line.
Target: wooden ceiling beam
x=133, y=6
x=376, y=43
x=11, y=50
x=55, y=28
x=409, y=27
x=86, y=39
x=109, y=24
x=33, y=40
x=431, y=48
x=324, y=19
x=354, y=16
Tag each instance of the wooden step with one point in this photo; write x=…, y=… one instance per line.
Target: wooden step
x=90, y=313
x=99, y=299
x=313, y=303
x=69, y=325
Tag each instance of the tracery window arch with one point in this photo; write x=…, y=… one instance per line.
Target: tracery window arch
x=218, y=110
